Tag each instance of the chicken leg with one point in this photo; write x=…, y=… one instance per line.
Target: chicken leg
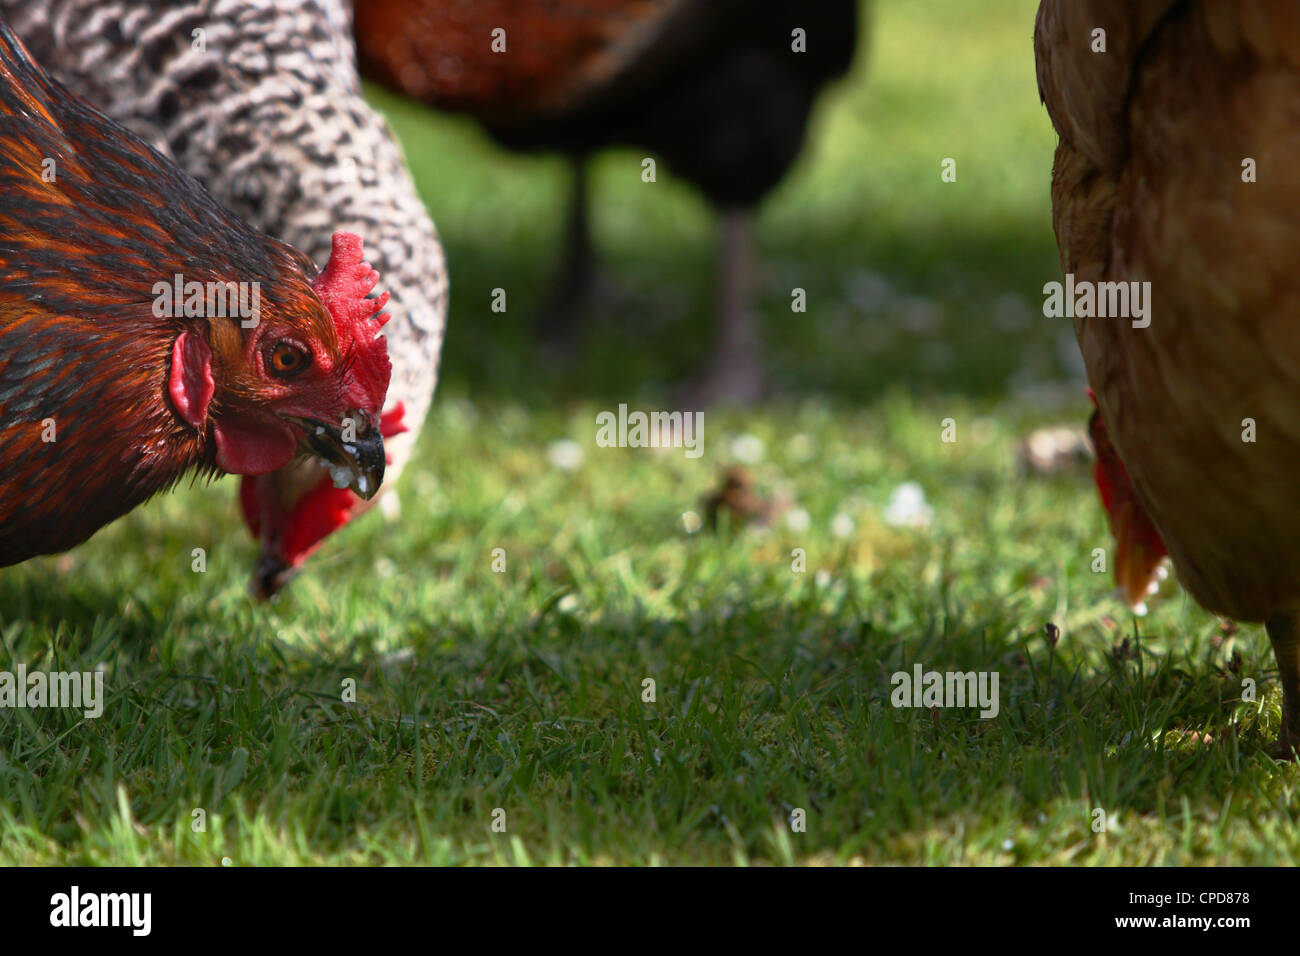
x=1283, y=633
x=736, y=368
x=575, y=279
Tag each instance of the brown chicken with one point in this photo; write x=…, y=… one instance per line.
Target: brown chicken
x=720, y=89
x=272, y=122
x=146, y=332
x=1179, y=125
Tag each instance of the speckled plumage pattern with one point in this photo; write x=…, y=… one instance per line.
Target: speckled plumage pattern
x=269, y=117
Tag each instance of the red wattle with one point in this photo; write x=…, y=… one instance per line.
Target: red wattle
x=248, y=448
x=318, y=513
x=392, y=421
x=321, y=511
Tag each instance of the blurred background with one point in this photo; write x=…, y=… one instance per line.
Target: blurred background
x=912, y=283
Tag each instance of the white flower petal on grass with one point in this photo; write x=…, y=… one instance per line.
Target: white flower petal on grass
x=747, y=449
x=822, y=578
x=801, y=447
x=842, y=525
x=567, y=604
x=797, y=519
x=907, y=507
x=691, y=522
x=390, y=505
x=564, y=454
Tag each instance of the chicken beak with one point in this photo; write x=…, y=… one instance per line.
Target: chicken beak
x=354, y=461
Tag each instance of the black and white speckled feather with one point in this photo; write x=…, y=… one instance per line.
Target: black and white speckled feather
x=268, y=115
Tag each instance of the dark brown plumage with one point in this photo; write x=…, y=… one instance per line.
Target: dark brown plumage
x=105, y=399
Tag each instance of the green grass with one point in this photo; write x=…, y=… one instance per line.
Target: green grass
x=522, y=690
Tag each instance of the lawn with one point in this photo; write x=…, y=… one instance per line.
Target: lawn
x=518, y=697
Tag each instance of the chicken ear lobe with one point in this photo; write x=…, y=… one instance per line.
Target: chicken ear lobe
x=190, y=382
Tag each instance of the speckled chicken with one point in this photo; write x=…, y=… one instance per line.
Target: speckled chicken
x=1176, y=166
x=261, y=102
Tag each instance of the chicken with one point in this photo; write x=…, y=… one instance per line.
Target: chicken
x=721, y=89
x=261, y=102
x=146, y=332
x=1175, y=168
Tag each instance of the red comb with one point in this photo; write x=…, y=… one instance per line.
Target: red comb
x=343, y=286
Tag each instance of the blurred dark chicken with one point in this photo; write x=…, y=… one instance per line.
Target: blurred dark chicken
x=720, y=89
x=111, y=386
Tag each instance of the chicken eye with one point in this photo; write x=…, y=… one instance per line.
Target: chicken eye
x=287, y=359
